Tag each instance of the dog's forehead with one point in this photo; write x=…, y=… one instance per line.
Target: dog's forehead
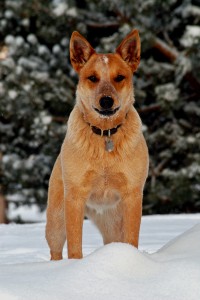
x=101, y=64
x=111, y=60
x=105, y=58
x=106, y=64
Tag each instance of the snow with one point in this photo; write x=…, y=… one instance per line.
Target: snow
x=26, y=213
x=191, y=36
x=60, y=8
x=166, y=266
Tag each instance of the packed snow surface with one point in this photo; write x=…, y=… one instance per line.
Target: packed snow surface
x=166, y=266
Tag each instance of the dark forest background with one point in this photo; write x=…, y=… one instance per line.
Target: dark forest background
x=37, y=92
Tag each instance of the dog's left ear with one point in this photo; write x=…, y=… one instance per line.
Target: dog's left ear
x=129, y=49
x=80, y=51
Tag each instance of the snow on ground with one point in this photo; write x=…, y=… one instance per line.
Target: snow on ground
x=166, y=266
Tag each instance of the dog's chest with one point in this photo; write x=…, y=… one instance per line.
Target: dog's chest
x=103, y=176
x=105, y=187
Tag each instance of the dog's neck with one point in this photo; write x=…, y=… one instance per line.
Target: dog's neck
x=109, y=145
x=101, y=132
x=106, y=133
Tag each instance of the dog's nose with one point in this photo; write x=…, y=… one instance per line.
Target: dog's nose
x=106, y=102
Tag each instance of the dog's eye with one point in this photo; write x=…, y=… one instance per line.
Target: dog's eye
x=93, y=78
x=119, y=78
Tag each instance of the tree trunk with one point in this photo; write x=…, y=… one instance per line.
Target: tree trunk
x=3, y=218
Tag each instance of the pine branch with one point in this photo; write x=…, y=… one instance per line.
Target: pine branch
x=147, y=109
x=169, y=52
x=172, y=54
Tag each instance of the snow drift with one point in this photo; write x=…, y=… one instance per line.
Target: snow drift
x=116, y=271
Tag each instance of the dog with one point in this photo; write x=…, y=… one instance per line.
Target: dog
x=103, y=163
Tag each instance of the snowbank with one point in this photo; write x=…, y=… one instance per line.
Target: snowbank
x=116, y=271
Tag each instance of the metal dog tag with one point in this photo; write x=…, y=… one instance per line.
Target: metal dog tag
x=109, y=145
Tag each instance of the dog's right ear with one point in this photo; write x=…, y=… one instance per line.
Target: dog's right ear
x=80, y=51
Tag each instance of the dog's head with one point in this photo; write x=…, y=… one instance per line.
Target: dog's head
x=105, y=88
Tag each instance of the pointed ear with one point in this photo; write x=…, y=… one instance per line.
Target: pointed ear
x=80, y=51
x=129, y=49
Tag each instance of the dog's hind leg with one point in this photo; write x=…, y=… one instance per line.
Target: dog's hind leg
x=112, y=226
x=109, y=223
x=55, y=227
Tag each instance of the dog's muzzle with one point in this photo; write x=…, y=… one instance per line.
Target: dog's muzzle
x=107, y=112
x=106, y=104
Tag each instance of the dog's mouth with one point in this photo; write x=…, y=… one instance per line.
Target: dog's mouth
x=106, y=112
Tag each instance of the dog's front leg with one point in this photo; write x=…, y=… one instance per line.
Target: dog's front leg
x=132, y=212
x=74, y=215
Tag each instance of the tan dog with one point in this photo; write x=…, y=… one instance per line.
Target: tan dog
x=103, y=164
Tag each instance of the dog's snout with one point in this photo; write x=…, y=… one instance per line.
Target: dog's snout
x=106, y=102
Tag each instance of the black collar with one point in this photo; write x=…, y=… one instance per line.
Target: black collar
x=101, y=132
